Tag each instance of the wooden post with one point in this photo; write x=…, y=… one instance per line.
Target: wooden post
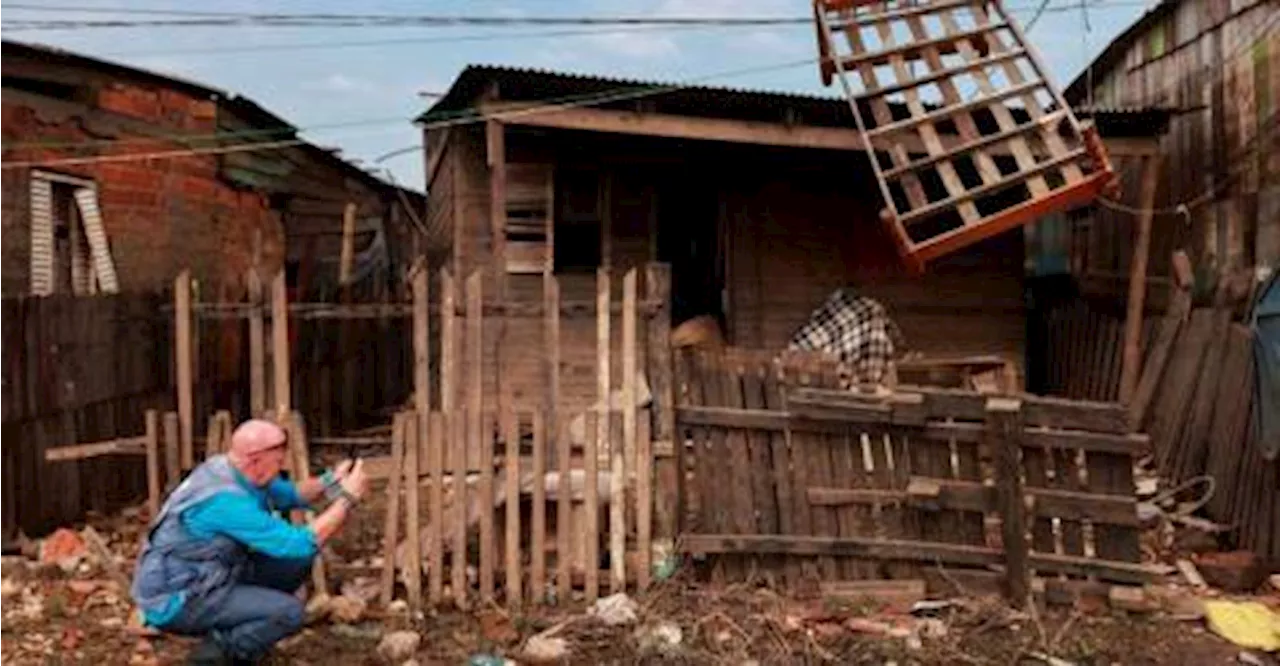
x=301, y=454
x=280, y=344
x=623, y=465
x=477, y=437
x=437, y=440
x=511, y=434
x=257, y=347
x=1004, y=441
x=182, y=346
x=1166, y=335
x=423, y=435
x=413, y=522
x=643, y=472
x=538, y=559
x=421, y=348
x=602, y=442
x=172, y=452
x=348, y=243
x=496, y=155
x=392, y=524
x=1138, y=282
x=456, y=422
x=670, y=481
x=564, y=511
x=153, y=462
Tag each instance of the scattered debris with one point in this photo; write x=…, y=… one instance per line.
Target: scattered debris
x=1237, y=571
x=398, y=646
x=663, y=638
x=544, y=649
x=1192, y=574
x=1051, y=660
x=615, y=609
x=496, y=627
x=365, y=588
x=318, y=608
x=1248, y=624
x=64, y=548
x=347, y=610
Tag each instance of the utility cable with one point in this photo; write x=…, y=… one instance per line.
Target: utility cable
x=329, y=20
x=444, y=119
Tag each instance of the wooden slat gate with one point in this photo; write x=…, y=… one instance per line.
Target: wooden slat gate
x=808, y=483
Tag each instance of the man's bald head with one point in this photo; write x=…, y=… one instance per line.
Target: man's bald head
x=255, y=435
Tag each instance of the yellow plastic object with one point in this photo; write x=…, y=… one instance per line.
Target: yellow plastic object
x=1248, y=624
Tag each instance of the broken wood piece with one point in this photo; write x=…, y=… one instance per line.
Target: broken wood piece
x=1192, y=574
x=893, y=595
x=118, y=446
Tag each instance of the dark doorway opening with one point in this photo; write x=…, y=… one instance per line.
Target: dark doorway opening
x=689, y=240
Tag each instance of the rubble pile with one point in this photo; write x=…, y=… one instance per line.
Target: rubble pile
x=65, y=594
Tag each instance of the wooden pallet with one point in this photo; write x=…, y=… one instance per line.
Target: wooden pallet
x=960, y=78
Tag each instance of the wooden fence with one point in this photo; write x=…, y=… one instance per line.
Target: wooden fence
x=507, y=490
x=346, y=362
x=77, y=369
x=814, y=484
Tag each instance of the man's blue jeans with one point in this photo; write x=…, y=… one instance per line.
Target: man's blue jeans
x=259, y=609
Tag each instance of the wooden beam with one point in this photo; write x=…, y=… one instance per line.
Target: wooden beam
x=182, y=333
x=121, y=445
x=1004, y=429
x=1138, y=282
x=348, y=242
x=280, y=345
x=903, y=549
x=925, y=493
x=690, y=127
x=1131, y=146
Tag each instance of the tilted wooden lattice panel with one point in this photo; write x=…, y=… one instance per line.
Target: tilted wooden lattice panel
x=966, y=135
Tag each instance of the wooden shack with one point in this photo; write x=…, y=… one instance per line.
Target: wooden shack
x=760, y=203
x=1217, y=195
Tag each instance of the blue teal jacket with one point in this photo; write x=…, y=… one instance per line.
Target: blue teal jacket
x=203, y=536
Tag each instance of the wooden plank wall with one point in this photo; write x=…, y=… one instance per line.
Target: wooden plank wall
x=78, y=369
x=1221, y=59
x=827, y=485
x=1084, y=349
x=782, y=250
x=1200, y=422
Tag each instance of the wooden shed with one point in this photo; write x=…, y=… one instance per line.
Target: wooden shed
x=761, y=204
x=1218, y=191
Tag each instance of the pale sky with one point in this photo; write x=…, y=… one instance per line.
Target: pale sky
x=357, y=88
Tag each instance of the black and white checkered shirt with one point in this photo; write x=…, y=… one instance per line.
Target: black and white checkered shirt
x=855, y=329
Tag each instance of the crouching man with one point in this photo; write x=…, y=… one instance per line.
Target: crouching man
x=219, y=563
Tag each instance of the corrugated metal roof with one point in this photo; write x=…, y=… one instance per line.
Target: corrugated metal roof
x=529, y=84
x=539, y=85
x=1113, y=52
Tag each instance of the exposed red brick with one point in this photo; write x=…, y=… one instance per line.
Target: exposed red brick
x=113, y=195
x=1237, y=571
x=130, y=101
x=201, y=189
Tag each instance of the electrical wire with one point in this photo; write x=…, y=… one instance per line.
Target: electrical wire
x=612, y=94
x=445, y=119
x=331, y=20
x=479, y=37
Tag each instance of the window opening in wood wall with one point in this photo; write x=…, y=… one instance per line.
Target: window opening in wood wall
x=69, y=249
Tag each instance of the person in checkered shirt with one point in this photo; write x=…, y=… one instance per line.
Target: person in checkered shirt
x=856, y=330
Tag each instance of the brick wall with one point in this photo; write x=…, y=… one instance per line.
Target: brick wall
x=160, y=215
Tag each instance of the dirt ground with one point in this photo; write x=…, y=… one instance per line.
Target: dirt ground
x=52, y=619
x=79, y=614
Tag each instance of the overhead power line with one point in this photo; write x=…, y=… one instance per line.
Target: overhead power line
x=377, y=43
x=464, y=116
x=209, y=19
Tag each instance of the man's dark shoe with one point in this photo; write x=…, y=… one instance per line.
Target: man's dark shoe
x=207, y=653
